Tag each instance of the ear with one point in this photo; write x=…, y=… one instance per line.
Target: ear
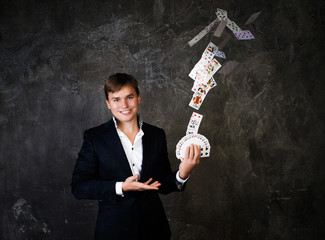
x=139, y=99
x=108, y=104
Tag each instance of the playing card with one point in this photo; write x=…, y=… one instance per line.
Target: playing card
x=210, y=51
x=198, y=73
x=211, y=83
x=197, y=100
x=204, y=87
x=201, y=76
x=211, y=68
x=233, y=26
x=252, y=18
x=228, y=67
x=203, y=33
x=196, y=139
x=193, y=73
x=199, y=87
x=220, y=54
x=194, y=123
x=221, y=14
x=244, y=35
x=220, y=28
x=206, y=66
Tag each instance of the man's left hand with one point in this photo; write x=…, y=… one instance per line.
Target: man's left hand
x=191, y=159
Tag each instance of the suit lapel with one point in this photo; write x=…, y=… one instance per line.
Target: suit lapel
x=147, y=151
x=115, y=146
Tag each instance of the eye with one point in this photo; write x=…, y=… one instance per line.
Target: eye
x=115, y=100
x=130, y=97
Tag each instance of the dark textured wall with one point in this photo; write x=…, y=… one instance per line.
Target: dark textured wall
x=265, y=121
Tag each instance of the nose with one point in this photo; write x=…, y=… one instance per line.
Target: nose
x=124, y=103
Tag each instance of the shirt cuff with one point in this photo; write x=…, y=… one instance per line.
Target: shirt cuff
x=180, y=182
x=118, y=189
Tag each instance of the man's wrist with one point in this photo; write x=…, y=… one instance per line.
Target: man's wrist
x=183, y=175
x=181, y=178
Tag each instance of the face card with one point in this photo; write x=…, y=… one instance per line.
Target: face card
x=199, y=87
x=244, y=35
x=197, y=100
x=220, y=28
x=228, y=67
x=194, y=123
x=233, y=26
x=211, y=83
x=252, y=18
x=212, y=67
x=204, y=87
x=220, y=54
x=196, y=139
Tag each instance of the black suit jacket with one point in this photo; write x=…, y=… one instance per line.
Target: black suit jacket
x=102, y=162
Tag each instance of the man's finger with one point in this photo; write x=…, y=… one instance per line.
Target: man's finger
x=187, y=152
x=134, y=177
x=197, y=149
x=197, y=155
x=156, y=183
x=149, y=187
x=147, y=182
x=191, y=153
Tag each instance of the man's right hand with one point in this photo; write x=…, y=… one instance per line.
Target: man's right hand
x=132, y=184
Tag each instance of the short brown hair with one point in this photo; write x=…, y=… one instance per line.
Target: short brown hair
x=115, y=82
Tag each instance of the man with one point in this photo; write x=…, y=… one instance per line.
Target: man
x=124, y=165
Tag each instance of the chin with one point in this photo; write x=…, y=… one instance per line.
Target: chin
x=123, y=118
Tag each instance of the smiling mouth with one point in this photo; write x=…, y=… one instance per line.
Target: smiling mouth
x=125, y=112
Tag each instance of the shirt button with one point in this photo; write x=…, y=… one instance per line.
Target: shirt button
x=132, y=148
x=133, y=164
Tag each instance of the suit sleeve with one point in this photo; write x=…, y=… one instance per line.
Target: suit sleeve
x=86, y=183
x=168, y=180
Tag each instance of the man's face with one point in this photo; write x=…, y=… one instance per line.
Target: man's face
x=124, y=104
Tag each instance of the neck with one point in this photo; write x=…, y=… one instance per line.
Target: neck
x=128, y=127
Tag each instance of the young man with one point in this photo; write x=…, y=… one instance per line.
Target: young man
x=124, y=165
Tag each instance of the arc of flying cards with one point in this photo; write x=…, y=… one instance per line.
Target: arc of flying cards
x=202, y=74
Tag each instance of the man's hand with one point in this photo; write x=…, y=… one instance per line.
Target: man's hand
x=131, y=184
x=191, y=159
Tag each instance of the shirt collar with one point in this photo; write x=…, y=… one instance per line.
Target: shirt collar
x=140, y=122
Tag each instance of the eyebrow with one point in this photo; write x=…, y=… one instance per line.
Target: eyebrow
x=130, y=95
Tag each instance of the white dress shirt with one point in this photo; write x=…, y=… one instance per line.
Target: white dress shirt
x=134, y=154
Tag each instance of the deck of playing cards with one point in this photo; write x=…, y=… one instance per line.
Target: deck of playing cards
x=196, y=139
